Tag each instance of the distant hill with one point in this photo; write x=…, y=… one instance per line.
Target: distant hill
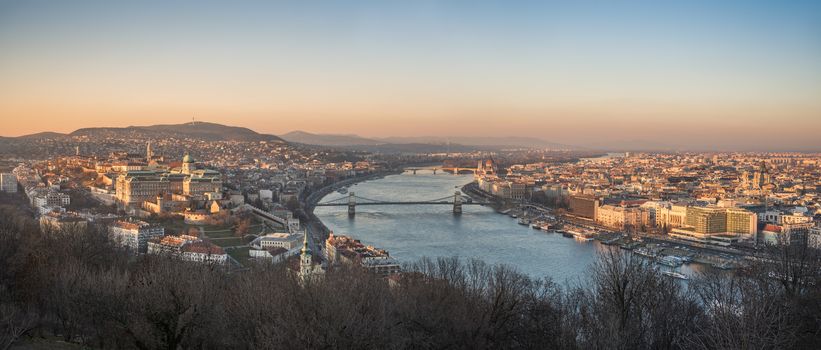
x=494, y=142
x=414, y=148
x=405, y=144
x=42, y=135
x=199, y=130
x=327, y=139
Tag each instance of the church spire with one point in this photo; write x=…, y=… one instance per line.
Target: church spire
x=306, y=268
x=305, y=248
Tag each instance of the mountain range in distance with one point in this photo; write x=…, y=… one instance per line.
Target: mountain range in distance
x=419, y=144
x=219, y=132
x=198, y=130
x=329, y=139
x=457, y=143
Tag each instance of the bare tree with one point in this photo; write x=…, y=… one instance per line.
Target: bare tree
x=14, y=324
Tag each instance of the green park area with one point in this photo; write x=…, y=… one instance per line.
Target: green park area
x=228, y=241
x=240, y=255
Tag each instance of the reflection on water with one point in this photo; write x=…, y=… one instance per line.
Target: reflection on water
x=415, y=231
x=412, y=232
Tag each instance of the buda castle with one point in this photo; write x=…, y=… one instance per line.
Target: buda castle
x=134, y=187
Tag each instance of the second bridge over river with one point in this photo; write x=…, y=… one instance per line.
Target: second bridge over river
x=352, y=200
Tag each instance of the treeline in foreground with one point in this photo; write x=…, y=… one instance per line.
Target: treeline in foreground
x=80, y=288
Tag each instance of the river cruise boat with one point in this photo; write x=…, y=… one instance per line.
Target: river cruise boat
x=612, y=241
x=647, y=253
x=672, y=261
x=524, y=221
x=580, y=236
x=541, y=225
x=583, y=238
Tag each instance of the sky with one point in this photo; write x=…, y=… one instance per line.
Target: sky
x=693, y=74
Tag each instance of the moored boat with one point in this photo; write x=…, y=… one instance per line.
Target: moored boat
x=644, y=252
x=612, y=241
x=583, y=238
x=670, y=260
x=675, y=275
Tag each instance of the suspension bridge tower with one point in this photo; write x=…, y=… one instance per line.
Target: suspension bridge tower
x=351, y=204
x=457, y=203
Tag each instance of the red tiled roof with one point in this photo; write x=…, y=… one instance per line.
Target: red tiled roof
x=203, y=248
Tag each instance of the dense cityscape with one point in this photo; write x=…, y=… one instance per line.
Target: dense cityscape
x=254, y=213
x=429, y=174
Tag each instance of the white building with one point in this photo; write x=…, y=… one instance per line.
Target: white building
x=618, y=217
x=42, y=197
x=188, y=248
x=674, y=216
x=266, y=195
x=341, y=249
x=814, y=237
x=135, y=235
x=275, y=247
x=277, y=240
x=778, y=217
x=203, y=252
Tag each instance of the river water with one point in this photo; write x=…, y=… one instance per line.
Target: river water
x=410, y=232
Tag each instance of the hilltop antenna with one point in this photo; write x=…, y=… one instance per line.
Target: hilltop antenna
x=193, y=121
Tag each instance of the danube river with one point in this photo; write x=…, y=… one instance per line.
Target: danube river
x=415, y=231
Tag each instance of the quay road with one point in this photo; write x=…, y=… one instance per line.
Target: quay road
x=473, y=190
x=316, y=231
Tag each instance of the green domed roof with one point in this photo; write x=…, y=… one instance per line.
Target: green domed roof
x=188, y=158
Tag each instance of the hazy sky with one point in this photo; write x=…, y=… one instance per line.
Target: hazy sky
x=722, y=73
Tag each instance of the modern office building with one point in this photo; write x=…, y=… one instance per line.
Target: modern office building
x=707, y=220
x=741, y=221
x=584, y=206
x=717, y=225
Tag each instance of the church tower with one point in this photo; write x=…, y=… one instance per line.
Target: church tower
x=305, y=260
x=148, y=153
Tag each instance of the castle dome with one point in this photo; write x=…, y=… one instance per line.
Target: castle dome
x=188, y=158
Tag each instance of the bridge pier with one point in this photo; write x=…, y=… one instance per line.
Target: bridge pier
x=434, y=171
x=414, y=171
x=352, y=204
x=457, y=203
